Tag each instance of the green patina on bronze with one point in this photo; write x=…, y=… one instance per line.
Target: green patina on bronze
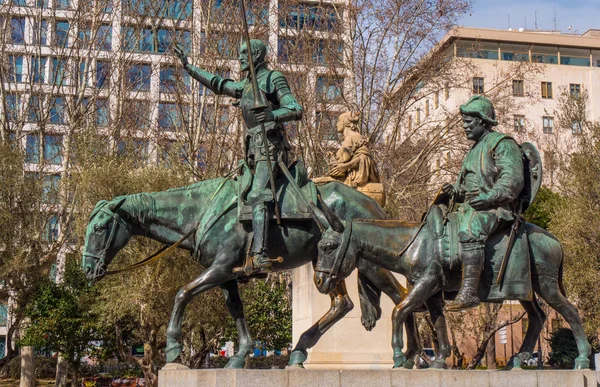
x=495, y=184
x=220, y=244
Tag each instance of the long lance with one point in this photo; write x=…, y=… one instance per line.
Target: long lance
x=259, y=105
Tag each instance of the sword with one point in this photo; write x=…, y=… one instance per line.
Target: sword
x=259, y=105
x=511, y=242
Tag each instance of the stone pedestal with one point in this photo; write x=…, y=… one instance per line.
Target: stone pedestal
x=372, y=378
x=347, y=345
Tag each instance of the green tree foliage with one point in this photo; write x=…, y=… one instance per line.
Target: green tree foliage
x=540, y=211
x=575, y=222
x=564, y=348
x=61, y=318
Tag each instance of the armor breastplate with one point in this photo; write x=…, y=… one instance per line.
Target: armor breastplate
x=247, y=103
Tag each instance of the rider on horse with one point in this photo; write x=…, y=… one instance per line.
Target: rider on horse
x=282, y=107
x=488, y=186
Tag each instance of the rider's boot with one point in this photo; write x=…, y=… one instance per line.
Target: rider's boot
x=261, y=263
x=473, y=256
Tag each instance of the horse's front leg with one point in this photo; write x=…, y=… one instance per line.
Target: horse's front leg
x=236, y=310
x=341, y=304
x=422, y=290
x=210, y=278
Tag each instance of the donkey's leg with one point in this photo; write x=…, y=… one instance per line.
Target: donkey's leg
x=436, y=311
x=236, y=310
x=422, y=290
x=341, y=304
x=551, y=293
x=210, y=278
x=536, y=317
x=387, y=283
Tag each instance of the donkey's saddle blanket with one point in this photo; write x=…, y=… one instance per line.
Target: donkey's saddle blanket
x=516, y=284
x=290, y=205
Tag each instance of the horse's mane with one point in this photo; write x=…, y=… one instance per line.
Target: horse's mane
x=192, y=186
x=388, y=222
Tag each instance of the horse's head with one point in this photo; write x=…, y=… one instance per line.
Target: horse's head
x=337, y=257
x=106, y=234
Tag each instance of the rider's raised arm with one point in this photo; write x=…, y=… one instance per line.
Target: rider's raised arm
x=289, y=109
x=216, y=83
x=510, y=181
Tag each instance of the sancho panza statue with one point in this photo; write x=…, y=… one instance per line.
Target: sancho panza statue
x=488, y=188
x=281, y=107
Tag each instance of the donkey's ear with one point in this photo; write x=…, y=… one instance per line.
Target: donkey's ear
x=115, y=206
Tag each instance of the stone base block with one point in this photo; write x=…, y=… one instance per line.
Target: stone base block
x=372, y=378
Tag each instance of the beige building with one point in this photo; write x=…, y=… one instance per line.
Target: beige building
x=524, y=73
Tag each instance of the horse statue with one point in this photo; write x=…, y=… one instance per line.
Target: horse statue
x=411, y=249
x=206, y=211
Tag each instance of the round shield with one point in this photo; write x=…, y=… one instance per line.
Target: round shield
x=533, y=173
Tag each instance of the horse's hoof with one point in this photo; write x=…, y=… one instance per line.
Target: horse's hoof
x=236, y=362
x=297, y=358
x=409, y=364
x=582, y=363
x=439, y=364
x=173, y=350
x=368, y=323
x=399, y=360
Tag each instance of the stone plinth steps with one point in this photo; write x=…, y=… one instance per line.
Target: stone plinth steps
x=375, y=378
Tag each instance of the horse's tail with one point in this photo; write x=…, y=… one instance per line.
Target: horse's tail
x=561, y=284
x=370, y=297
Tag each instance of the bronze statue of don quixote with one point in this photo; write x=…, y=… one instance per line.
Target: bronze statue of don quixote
x=472, y=246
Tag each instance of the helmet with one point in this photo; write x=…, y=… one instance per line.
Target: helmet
x=482, y=107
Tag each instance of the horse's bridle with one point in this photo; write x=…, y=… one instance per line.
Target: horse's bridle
x=100, y=258
x=340, y=255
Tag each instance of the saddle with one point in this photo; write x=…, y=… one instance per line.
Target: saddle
x=516, y=284
x=290, y=205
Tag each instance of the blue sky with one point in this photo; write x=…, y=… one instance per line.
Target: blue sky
x=581, y=14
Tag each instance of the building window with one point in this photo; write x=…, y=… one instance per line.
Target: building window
x=446, y=92
x=172, y=116
x=57, y=73
x=548, y=124
x=61, y=34
x=34, y=108
x=436, y=100
x=138, y=77
x=427, y=108
x=576, y=127
x=104, y=38
x=418, y=118
x=15, y=68
x=50, y=184
x=17, y=30
x=62, y=4
x=102, y=71
x=57, y=110
x=173, y=79
x=51, y=230
x=301, y=16
x=3, y=322
x=32, y=149
x=329, y=89
x=519, y=123
x=38, y=69
x=547, y=90
x=575, y=90
x=40, y=33
x=518, y=89
x=102, y=112
x=477, y=85
x=53, y=148
x=325, y=124
x=524, y=326
x=12, y=107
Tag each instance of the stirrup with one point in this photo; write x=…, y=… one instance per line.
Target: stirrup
x=251, y=267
